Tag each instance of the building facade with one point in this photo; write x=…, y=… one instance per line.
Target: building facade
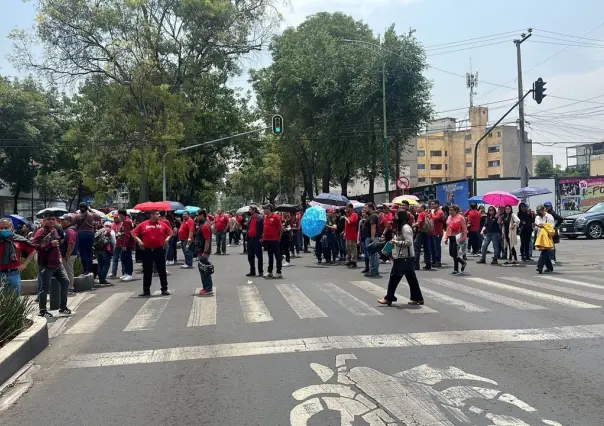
x=446, y=154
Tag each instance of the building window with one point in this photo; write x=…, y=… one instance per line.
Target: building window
x=436, y=166
x=421, y=153
x=494, y=149
x=490, y=135
x=468, y=137
x=468, y=150
x=436, y=180
x=446, y=153
x=421, y=179
x=446, y=166
x=494, y=176
x=494, y=163
x=498, y=134
x=468, y=164
x=421, y=166
x=436, y=153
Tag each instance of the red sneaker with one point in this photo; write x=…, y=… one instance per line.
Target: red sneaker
x=204, y=292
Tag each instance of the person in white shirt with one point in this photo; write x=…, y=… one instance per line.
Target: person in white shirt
x=541, y=219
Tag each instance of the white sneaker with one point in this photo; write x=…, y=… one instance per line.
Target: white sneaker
x=285, y=264
x=111, y=276
x=168, y=273
x=127, y=278
x=186, y=267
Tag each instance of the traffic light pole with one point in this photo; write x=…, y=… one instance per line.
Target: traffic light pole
x=186, y=148
x=522, y=141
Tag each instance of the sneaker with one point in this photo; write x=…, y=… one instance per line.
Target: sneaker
x=204, y=292
x=145, y=294
x=455, y=273
x=251, y=274
x=186, y=267
x=165, y=293
x=278, y=275
x=65, y=311
x=168, y=273
x=481, y=261
x=111, y=276
x=285, y=264
x=127, y=278
x=123, y=276
x=268, y=275
x=45, y=314
x=494, y=262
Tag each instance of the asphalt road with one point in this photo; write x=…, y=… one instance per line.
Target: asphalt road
x=496, y=346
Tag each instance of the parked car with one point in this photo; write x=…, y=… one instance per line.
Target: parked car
x=589, y=223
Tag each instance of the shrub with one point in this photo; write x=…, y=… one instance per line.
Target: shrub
x=14, y=310
x=31, y=271
x=78, y=269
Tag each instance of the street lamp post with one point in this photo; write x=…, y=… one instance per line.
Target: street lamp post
x=385, y=139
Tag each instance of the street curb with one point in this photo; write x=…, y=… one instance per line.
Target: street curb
x=23, y=348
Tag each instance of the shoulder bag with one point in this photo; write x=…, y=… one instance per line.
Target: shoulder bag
x=402, y=265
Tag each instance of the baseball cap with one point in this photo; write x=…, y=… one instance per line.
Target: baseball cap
x=547, y=203
x=66, y=217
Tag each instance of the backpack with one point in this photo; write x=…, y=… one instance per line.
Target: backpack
x=101, y=239
x=428, y=224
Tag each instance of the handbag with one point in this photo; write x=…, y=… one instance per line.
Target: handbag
x=402, y=265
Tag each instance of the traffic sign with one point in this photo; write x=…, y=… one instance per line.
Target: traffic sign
x=403, y=182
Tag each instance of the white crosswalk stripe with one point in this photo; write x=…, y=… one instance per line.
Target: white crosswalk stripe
x=59, y=325
x=253, y=307
x=148, y=315
x=536, y=294
x=379, y=292
x=453, y=301
x=95, y=318
x=299, y=302
x=585, y=277
x=348, y=301
x=558, y=288
x=203, y=311
x=493, y=297
x=574, y=282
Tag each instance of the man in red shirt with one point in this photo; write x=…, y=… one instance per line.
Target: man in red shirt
x=220, y=226
x=473, y=216
x=438, y=223
x=11, y=246
x=271, y=237
x=185, y=236
x=126, y=243
x=350, y=235
x=153, y=237
x=203, y=248
x=50, y=265
x=255, y=228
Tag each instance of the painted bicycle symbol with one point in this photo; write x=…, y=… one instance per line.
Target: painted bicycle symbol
x=419, y=396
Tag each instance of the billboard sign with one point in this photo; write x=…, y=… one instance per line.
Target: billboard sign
x=454, y=193
x=580, y=194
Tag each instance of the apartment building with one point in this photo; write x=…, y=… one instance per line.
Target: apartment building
x=446, y=154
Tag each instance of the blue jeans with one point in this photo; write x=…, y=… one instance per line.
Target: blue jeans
x=374, y=259
x=187, y=253
x=127, y=264
x=334, y=245
x=117, y=255
x=495, y=238
x=13, y=279
x=220, y=242
x=85, y=243
x=436, y=248
x=104, y=259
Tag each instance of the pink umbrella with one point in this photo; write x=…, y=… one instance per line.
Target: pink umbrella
x=500, y=199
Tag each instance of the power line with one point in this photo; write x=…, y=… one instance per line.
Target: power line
x=467, y=48
x=593, y=46
x=567, y=35
x=470, y=39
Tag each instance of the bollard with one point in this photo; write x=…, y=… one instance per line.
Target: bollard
x=55, y=294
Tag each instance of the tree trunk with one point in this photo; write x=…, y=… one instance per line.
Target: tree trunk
x=16, y=199
x=397, y=161
x=344, y=184
x=326, y=179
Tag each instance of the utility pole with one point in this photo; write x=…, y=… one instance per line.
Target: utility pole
x=522, y=142
x=386, y=160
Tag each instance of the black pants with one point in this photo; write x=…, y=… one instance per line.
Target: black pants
x=395, y=279
x=525, y=244
x=422, y=240
x=453, y=252
x=47, y=275
x=154, y=258
x=274, y=254
x=306, y=243
x=474, y=242
x=285, y=242
x=254, y=251
x=545, y=260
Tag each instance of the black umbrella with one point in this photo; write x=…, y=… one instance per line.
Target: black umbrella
x=287, y=208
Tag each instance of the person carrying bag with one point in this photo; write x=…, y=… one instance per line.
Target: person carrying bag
x=403, y=264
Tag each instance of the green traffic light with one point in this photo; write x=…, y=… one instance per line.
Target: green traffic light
x=278, y=129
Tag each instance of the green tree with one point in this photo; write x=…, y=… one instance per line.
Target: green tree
x=53, y=186
x=545, y=169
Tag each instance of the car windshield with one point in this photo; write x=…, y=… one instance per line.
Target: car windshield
x=598, y=208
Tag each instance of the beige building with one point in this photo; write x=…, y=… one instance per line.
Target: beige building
x=445, y=154
x=596, y=165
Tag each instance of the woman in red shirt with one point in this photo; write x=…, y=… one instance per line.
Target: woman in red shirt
x=457, y=238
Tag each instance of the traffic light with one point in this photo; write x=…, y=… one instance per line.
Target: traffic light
x=539, y=90
x=277, y=125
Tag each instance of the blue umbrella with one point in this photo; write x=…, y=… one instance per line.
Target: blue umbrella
x=179, y=212
x=313, y=221
x=476, y=199
x=192, y=209
x=18, y=220
x=332, y=199
x=530, y=191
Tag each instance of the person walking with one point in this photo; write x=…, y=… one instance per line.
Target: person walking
x=509, y=222
x=351, y=221
x=255, y=228
x=457, y=238
x=271, y=236
x=203, y=248
x=104, y=244
x=85, y=224
x=220, y=227
x=474, y=227
x=11, y=246
x=492, y=233
x=153, y=238
x=186, y=233
x=424, y=229
x=403, y=264
x=545, y=227
x=370, y=234
x=69, y=248
x=526, y=231
x=436, y=237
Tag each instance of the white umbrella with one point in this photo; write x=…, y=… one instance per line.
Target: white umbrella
x=243, y=210
x=56, y=210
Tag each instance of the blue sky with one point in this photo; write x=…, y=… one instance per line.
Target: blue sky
x=571, y=71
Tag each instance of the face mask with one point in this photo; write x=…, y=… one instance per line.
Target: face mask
x=5, y=233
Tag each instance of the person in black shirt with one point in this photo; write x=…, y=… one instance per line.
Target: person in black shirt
x=526, y=231
x=492, y=233
x=370, y=235
x=340, y=234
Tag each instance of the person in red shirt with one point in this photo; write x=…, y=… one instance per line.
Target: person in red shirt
x=422, y=238
x=474, y=218
x=271, y=236
x=203, y=248
x=350, y=235
x=185, y=236
x=69, y=247
x=220, y=227
x=47, y=239
x=126, y=243
x=11, y=246
x=438, y=223
x=255, y=228
x=153, y=237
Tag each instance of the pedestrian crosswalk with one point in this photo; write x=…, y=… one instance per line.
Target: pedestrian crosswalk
x=269, y=301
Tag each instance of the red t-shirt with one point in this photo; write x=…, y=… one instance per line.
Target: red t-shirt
x=421, y=219
x=221, y=222
x=125, y=239
x=185, y=229
x=438, y=219
x=153, y=234
x=252, y=227
x=473, y=220
x=350, y=227
x=19, y=246
x=272, y=227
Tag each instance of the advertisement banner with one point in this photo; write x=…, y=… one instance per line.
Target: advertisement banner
x=580, y=194
x=424, y=193
x=454, y=193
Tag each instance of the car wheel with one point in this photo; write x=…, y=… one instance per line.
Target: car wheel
x=572, y=237
x=594, y=231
